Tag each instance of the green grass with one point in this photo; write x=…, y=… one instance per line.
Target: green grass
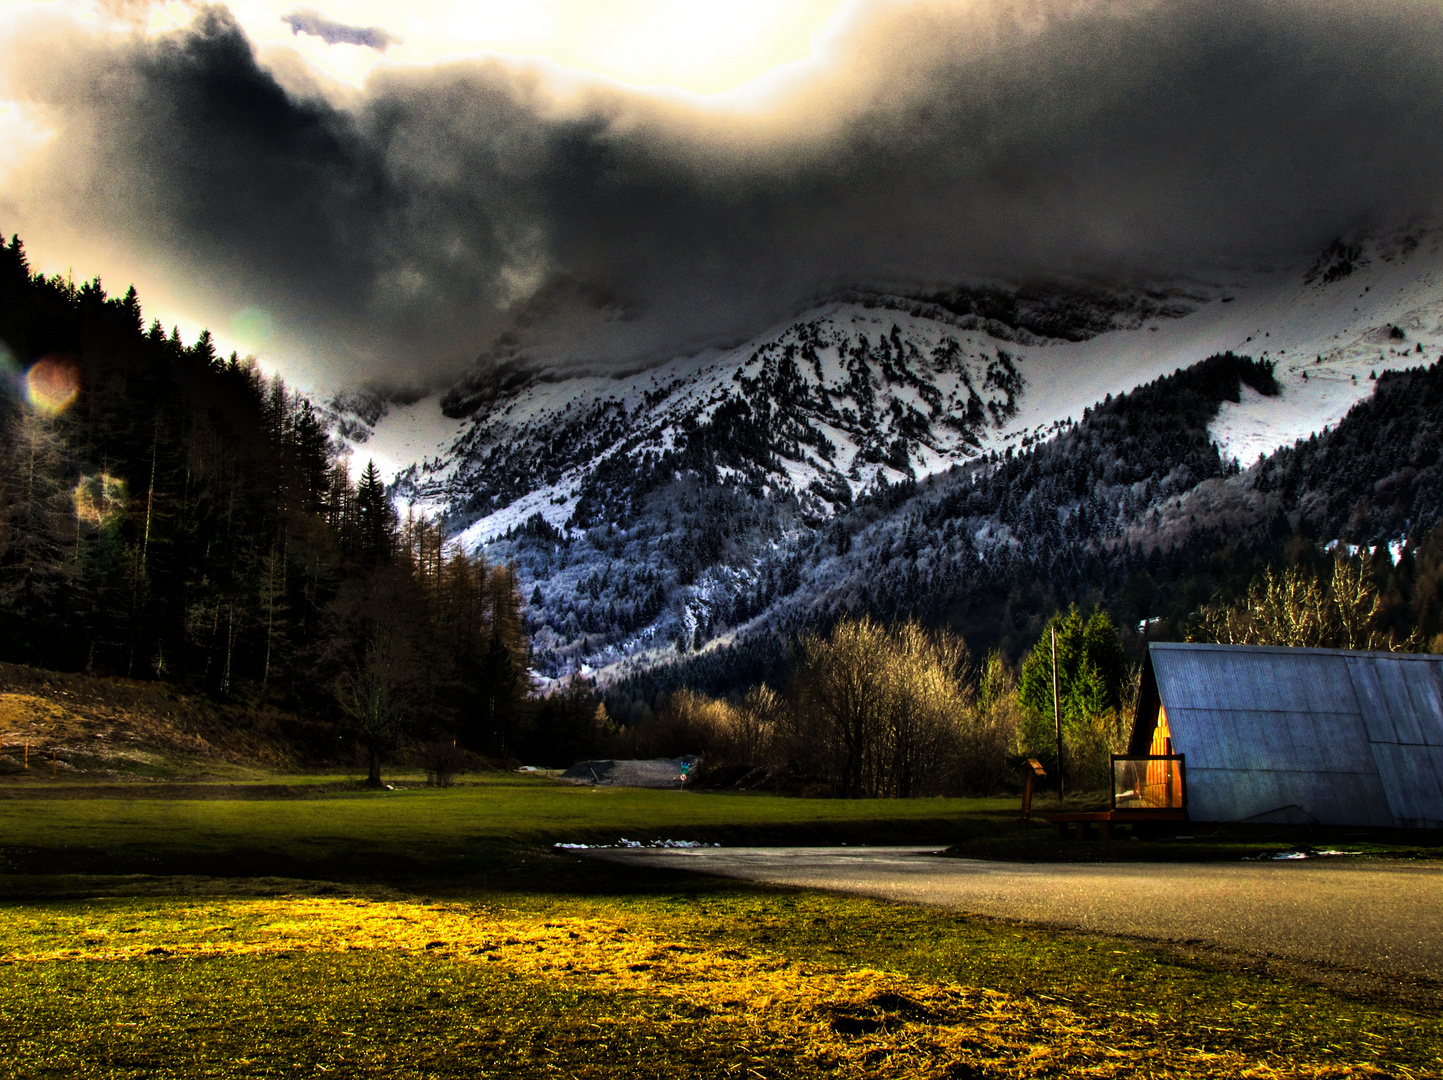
x=359, y=1014
x=370, y=835
x=328, y=825
x=435, y=933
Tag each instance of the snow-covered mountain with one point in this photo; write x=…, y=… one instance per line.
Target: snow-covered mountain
x=864, y=388
x=670, y=506
x=820, y=411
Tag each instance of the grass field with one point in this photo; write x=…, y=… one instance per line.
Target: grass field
x=301, y=927
x=313, y=828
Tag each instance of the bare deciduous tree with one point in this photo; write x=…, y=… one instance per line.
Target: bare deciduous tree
x=383, y=659
x=1295, y=608
x=879, y=712
x=870, y=711
x=988, y=730
x=743, y=732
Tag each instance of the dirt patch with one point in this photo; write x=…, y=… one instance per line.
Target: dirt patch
x=190, y=789
x=50, y=736
x=654, y=773
x=68, y=724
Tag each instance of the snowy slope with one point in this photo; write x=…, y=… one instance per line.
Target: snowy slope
x=1351, y=322
x=403, y=436
x=821, y=408
x=672, y=506
x=1330, y=338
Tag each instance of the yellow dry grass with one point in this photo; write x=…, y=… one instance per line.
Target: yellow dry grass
x=44, y=722
x=864, y=1022
x=27, y=717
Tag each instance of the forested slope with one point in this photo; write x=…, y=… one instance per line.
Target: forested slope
x=169, y=513
x=1133, y=507
x=1377, y=476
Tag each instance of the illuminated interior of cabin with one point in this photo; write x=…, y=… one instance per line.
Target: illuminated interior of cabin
x=1153, y=782
x=1161, y=735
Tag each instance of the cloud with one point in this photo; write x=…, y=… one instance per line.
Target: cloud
x=304, y=20
x=486, y=203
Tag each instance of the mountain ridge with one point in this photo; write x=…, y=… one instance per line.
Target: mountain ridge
x=667, y=508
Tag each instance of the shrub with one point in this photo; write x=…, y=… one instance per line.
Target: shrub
x=443, y=761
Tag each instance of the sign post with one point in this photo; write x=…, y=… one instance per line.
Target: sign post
x=1057, y=714
x=1029, y=781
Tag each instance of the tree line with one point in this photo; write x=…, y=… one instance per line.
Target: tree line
x=867, y=710
x=170, y=513
x=878, y=711
x=1339, y=605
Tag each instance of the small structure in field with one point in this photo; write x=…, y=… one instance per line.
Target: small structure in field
x=1258, y=733
x=653, y=773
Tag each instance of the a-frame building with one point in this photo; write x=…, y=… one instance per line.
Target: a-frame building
x=1266, y=733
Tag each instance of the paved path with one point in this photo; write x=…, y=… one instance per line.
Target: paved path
x=1370, y=916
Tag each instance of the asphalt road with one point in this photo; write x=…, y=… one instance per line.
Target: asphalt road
x=1382, y=918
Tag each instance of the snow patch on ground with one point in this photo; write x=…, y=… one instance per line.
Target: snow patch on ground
x=555, y=503
x=625, y=843
x=405, y=435
x=1335, y=334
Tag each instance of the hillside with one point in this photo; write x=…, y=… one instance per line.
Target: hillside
x=819, y=467
x=170, y=514
x=976, y=458
x=76, y=726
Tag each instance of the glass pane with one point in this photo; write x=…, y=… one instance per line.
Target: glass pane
x=1147, y=783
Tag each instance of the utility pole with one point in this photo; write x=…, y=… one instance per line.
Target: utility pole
x=1057, y=714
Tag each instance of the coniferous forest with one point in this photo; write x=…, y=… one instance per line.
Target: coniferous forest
x=173, y=514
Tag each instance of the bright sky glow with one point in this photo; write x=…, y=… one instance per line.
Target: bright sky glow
x=701, y=46
x=616, y=182
x=22, y=130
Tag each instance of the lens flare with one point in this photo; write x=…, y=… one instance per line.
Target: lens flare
x=99, y=499
x=254, y=326
x=52, y=385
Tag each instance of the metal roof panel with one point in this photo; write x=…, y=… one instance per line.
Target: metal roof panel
x=1373, y=700
x=1342, y=798
x=1267, y=680
x=1410, y=777
x=1193, y=728
x=1430, y=722
x=1435, y=820
x=1311, y=746
x=1234, y=739
x=1332, y=799
x=1424, y=699
x=1401, y=697
x=1352, y=737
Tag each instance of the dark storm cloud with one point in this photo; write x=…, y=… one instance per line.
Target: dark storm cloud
x=306, y=20
x=446, y=205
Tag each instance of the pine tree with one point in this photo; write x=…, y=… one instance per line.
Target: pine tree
x=376, y=525
x=1092, y=678
x=38, y=564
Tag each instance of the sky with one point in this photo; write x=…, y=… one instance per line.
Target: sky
x=369, y=191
